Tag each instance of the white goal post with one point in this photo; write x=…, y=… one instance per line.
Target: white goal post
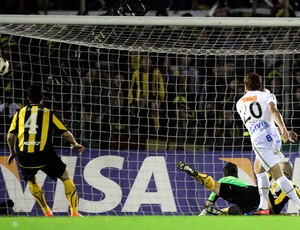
x=150, y=21
x=142, y=93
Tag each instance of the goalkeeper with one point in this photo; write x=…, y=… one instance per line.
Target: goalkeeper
x=232, y=189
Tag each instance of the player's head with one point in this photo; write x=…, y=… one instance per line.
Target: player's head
x=230, y=169
x=253, y=81
x=35, y=94
x=287, y=168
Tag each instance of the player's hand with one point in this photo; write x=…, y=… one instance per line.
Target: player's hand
x=203, y=213
x=79, y=147
x=285, y=136
x=289, y=136
x=293, y=136
x=211, y=210
x=11, y=158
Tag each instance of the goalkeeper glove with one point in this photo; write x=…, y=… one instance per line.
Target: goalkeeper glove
x=212, y=210
x=203, y=213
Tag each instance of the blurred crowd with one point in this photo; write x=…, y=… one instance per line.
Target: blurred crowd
x=122, y=99
x=276, y=8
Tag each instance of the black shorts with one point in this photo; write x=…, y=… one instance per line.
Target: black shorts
x=53, y=166
x=247, y=198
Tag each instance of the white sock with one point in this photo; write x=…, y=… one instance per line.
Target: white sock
x=263, y=184
x=289, y=190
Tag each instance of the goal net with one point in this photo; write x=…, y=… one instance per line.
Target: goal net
x=142, y=93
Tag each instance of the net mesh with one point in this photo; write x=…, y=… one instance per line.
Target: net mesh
x=141, y=98
x=194, y=40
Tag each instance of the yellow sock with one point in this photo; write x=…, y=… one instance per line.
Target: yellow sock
x=38, y=194
x=206, y=180
x=71, y=195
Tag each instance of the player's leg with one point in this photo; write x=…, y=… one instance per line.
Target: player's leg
x=71, y=193
x=285, y=184
x=38, y=194
x=234, y=210
x=204, y=179
x=35, y=189
x=56, y=168
x=263, y=185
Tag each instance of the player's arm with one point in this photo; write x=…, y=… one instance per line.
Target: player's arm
x=209, y=203
x=71, y=139
x=160, y=81
x=63, y=130
x=211, y=210
x=10, y=142
x=277, y=117
x=209, y=207
x=11, y=139
x=133, y=82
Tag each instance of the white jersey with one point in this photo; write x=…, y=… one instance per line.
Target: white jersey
x=265, y=137
x=254, y=112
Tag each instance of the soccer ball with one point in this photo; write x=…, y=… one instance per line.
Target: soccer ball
x=4, y=66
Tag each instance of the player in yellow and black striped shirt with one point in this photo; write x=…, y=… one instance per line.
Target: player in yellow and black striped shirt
x=278, y=198
x=33, y=127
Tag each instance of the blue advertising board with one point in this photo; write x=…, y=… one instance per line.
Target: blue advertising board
x=128, y=183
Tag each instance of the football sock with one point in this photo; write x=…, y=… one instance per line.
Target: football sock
x=289, y=190
x=263, y=184
x=71, y=195
x=38, y=194
x=206, y=180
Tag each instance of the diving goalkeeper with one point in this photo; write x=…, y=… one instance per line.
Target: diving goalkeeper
x=245, y=197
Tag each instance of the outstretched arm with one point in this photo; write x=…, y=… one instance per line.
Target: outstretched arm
x=71, y=139
x=10, y=141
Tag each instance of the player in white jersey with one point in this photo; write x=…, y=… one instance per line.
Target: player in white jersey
x=258, y=110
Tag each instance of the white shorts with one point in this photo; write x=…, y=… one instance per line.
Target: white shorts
x=267, y=149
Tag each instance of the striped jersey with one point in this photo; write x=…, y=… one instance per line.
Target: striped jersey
x=34, y=125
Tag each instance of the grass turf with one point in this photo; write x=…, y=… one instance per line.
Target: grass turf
x=151, y=222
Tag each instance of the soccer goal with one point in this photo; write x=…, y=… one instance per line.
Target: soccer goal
x=142, y=93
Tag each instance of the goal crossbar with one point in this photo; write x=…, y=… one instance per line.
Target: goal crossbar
x=231, y=36
x=149, y=21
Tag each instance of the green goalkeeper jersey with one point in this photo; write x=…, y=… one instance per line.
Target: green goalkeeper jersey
x=228, y=180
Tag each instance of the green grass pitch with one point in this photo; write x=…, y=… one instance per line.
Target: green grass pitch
x=152, y=222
